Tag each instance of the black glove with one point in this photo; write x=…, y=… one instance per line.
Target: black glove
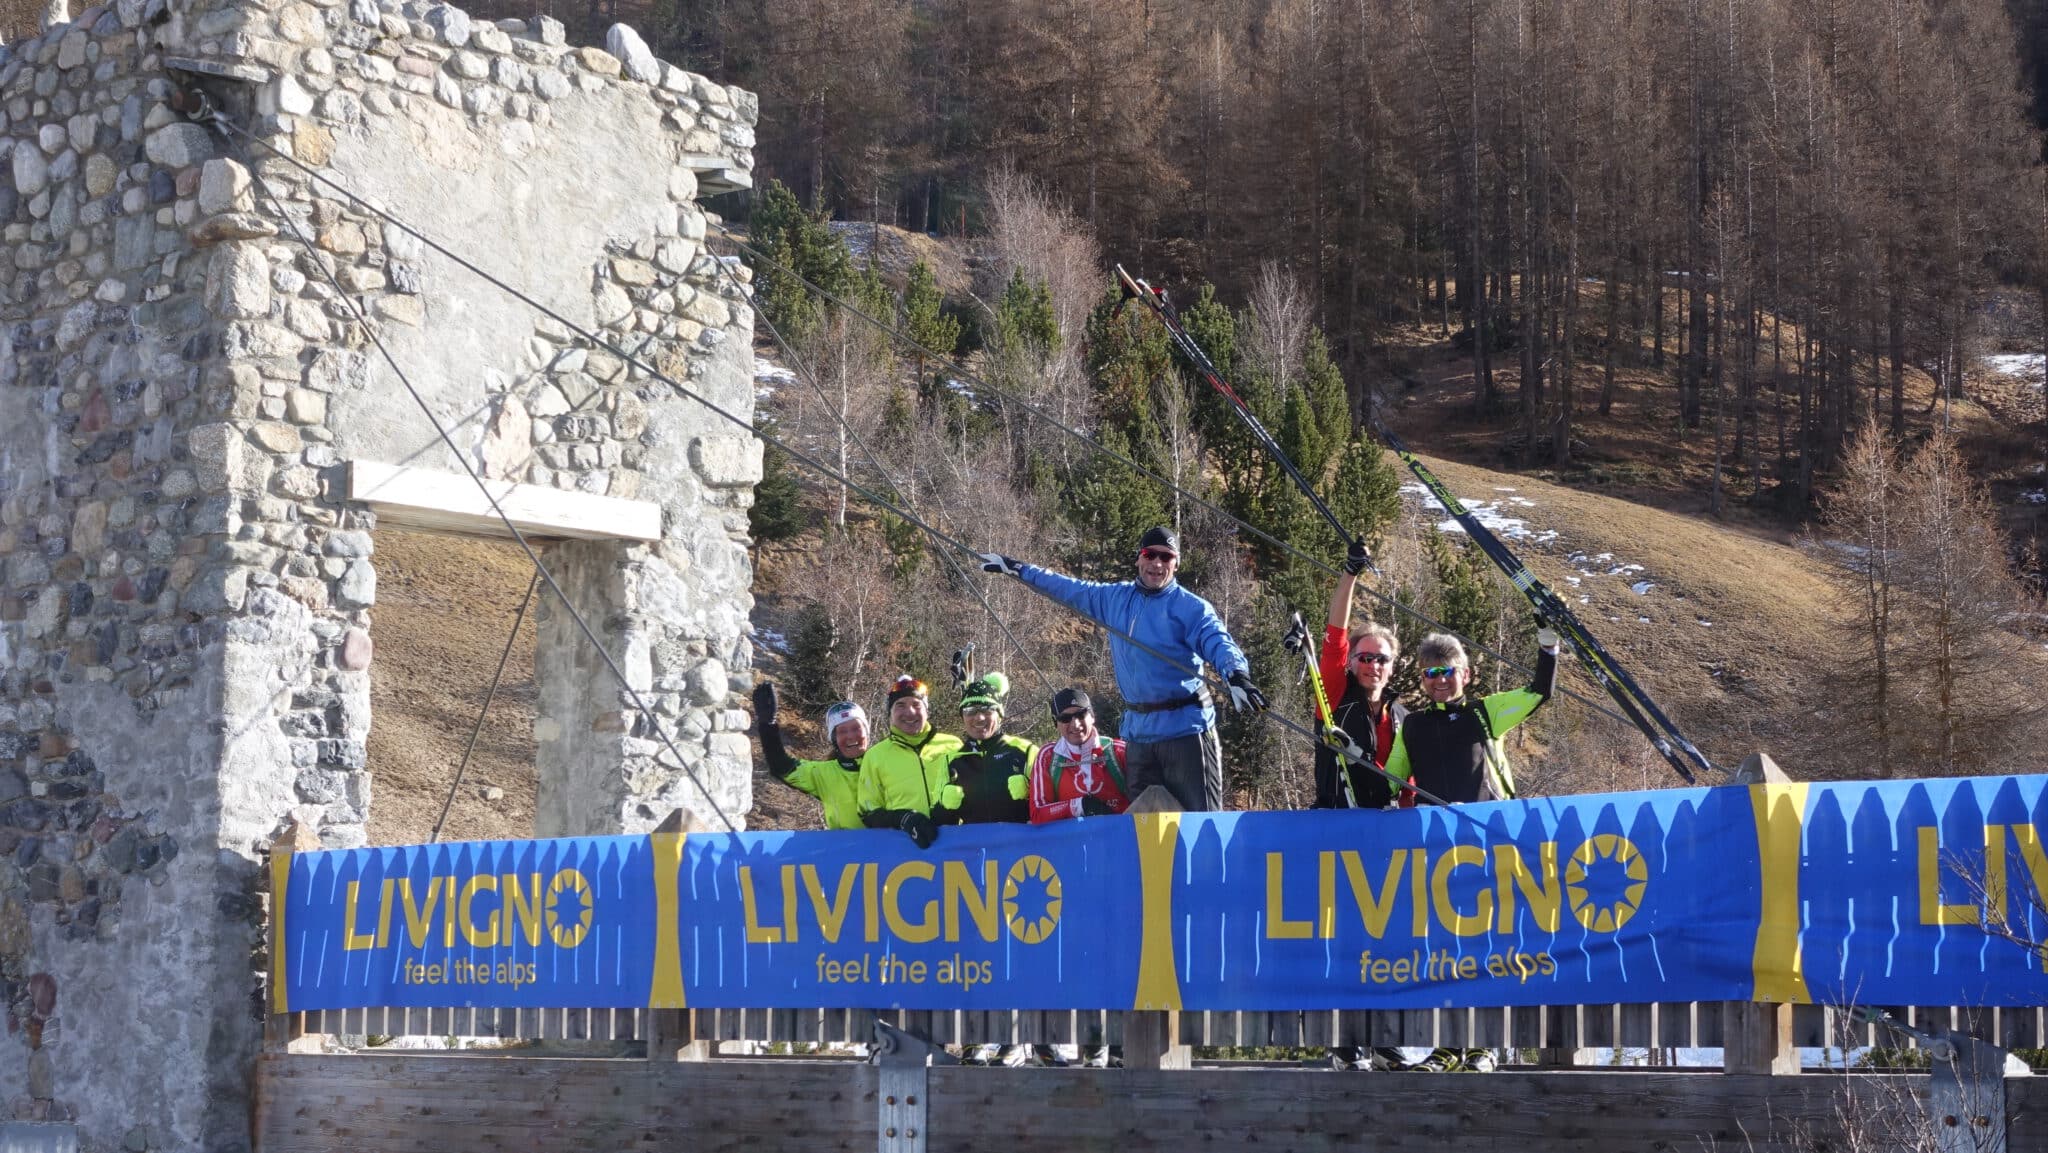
x=1356, y=559
x=996, y=562
x=1096, y=807
x=1244, y=695
x=1297, y=636
x=764, y=704
x=920, y=828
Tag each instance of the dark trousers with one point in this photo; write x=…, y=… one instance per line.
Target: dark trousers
x=1191, y=768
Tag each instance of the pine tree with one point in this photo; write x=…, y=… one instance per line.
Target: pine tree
x=1258, y=757
x=1110, y=507
x=1465, y=601
x=925, y=317
x=1025, y=319
x=1212, y=327
x=1127, y=352
x=791, y=237
x=1366, y=492
x=777, y=513
x=813, y=656
x=1329, y=408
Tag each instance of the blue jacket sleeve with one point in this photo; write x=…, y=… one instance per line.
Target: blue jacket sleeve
x=1088, y=598
x=1207, y=636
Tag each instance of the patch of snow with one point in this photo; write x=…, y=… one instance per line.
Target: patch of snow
x=1573, y=580
x=1498, y=488
x=2037, y=497
x=769, y=376
x=1642, y=620
x=855, y=234
x=1705, y=624
x=960, y=388
x=771, y=640
x=2029, y=366
x=1487, y=513
x=1641, y=587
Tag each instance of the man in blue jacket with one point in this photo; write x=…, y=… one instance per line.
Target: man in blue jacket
x=1169, y=726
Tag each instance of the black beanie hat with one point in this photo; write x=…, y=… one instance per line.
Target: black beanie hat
x=1161, y=537
x=1070, y=698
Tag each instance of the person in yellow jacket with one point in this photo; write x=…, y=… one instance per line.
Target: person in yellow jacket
x=902, y=775
x=834, y=782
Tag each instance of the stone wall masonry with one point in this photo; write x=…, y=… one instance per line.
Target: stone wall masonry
x=186, y=606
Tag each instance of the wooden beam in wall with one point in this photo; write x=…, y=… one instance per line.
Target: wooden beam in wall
x=431, y=500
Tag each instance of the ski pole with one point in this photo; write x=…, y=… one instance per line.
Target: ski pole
x=1338, y=741
x=1156, y=300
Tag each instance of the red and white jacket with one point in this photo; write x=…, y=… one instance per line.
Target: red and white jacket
x=1059, y=782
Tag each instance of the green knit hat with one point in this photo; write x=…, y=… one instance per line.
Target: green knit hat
x=985, y=692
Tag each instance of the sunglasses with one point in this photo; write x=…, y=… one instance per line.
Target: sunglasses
x=1156, y=554
x=1439, y=672
x=1073, y=718
x=1372, y=658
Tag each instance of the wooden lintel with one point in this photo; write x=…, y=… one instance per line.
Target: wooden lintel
x=436, y=501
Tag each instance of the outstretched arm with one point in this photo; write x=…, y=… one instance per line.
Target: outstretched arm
x=773, y=750
x=1507, y=709
x=1089, y=598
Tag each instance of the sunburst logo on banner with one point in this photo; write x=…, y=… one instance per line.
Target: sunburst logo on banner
x=1033, y=918
x=1590, y=882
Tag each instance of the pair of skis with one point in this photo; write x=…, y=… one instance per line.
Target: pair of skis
x=1550, y=608
x=1636, y=704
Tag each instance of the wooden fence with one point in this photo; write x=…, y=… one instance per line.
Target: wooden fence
x=1680, y=1025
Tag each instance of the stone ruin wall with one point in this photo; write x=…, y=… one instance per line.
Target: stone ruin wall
x=187, y=599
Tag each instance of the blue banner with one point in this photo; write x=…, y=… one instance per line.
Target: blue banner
x=1898, y=892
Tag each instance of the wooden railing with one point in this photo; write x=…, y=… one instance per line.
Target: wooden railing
x=1682, y=1025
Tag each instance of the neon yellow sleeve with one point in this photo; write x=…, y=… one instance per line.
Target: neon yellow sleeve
x=1397, y=757
x=805, y=778
x=1509, y=707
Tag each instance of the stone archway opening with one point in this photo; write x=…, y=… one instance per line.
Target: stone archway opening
x=446, y=605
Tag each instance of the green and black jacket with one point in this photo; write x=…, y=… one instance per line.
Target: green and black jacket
x=988, y=781
x=1454, y=749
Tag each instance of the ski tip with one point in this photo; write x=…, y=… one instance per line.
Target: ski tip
x=1126, y=286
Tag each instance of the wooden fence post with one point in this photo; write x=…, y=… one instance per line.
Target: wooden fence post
x=671, y=1032
x=284, y=1032
x=671, y=1036
x=1756, y=1037
x=1152, y=1041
